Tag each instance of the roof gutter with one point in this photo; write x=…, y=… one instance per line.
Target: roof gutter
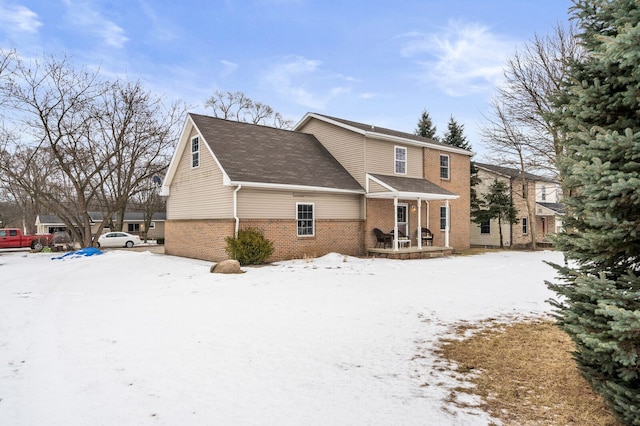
x=235, y=210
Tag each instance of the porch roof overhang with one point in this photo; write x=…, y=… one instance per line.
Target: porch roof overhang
x=549, y=209
x=406, y=188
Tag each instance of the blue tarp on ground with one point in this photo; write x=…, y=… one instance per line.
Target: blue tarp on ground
x=85, y=252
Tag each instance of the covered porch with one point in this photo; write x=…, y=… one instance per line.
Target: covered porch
x=400, y=209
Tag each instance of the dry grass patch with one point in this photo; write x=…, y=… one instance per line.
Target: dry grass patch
x=525, y=375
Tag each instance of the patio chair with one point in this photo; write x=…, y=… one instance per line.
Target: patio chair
x=384, y=240
x=427, y=237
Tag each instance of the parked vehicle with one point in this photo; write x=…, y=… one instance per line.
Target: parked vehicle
x=117, y=239
x=14, y=238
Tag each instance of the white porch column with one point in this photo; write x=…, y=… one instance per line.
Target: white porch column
x=446, y=228
x=395, y=223
x=419, y=223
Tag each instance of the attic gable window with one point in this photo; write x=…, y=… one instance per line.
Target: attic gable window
x=195, y=152
x=401, y=160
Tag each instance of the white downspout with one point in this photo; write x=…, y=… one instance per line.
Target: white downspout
x=235, y=210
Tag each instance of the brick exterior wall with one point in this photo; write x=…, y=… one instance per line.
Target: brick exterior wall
x=205, y=239
x=198, y=239
x=459, y=209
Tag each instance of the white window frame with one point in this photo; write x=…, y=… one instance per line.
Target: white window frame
x=525, y=225
x=152, y=225
x=313, y=220
x=399, y=161
x=195, y=154
x=447, y=167
x=543, y=193
x=488, y=226
x=446, y=218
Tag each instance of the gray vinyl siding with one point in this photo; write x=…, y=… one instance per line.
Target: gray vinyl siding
x=199, y=193
x=270, y=204
x=381, y=158
x=347, y=147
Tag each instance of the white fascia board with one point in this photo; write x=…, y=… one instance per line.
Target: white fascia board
x=381, y=183
x=285, y=187
x=398, y=139
x=177, y=155
x=175, y=158
x=412, y=195
x=375, y=135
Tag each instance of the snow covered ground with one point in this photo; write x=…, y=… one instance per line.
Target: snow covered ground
x=135, y=338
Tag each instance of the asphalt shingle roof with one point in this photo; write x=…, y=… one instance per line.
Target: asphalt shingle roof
x=260, y=154
x=406, y=184
x=511, y=172
x=388, y=132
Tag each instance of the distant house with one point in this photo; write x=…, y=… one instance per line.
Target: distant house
x=323, y=187
x=545, y=197
x=133, y=223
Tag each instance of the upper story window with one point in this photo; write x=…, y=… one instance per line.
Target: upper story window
x=304, y=215
x=401, y=160
x=195, y=152
x=444, y=167
x=543, y=193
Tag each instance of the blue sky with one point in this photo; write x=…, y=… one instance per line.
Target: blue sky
x=378, y=62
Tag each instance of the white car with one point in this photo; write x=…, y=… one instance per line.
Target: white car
x=117, y=239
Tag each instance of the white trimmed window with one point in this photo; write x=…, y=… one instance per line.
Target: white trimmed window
x=401, y=160
x=485, y=227
x=525, y=225
x=444, y=166
x=444, y=217
x=305, y=217
x=195, y=152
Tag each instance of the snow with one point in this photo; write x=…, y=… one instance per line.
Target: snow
x=136, y=338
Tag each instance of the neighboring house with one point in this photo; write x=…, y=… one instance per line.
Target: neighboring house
x=320, y=188
x=544, y=196
x=133, y=223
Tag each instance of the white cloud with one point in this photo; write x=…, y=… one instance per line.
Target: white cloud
x=86, y=17
x=19, y=19
x=462, y=59
x=229, y=67
x=307, y=82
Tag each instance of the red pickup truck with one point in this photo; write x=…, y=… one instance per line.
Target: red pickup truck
x=14, y=238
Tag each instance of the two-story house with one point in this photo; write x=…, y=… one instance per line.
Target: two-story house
x=545, y=198
x=320, y=188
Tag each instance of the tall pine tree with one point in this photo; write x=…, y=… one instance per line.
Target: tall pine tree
x=426, y=129
x=599, y=303
x=455, y=136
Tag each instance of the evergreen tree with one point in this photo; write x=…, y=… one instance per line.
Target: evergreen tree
x=455, y=135
x=599, y=304
x=496, y=204
x=426, y=129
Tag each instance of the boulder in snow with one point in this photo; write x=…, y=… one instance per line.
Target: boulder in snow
x=228, y=266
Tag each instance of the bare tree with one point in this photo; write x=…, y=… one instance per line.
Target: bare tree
x=140, y=131
x=237, y=106
x=510, y=147
x=80, y=143
x=532, y=78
